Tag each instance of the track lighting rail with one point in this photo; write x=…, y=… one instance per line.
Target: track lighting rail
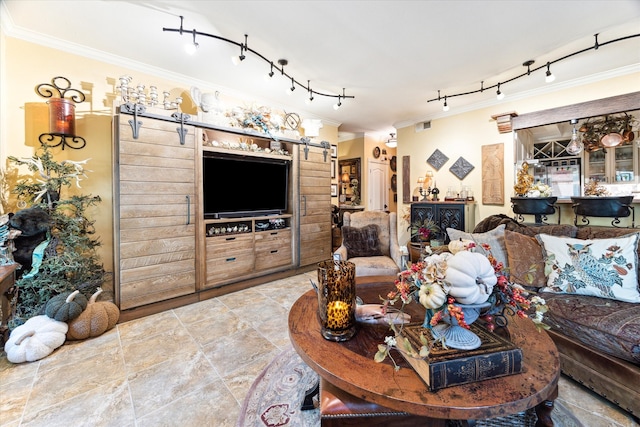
x=245, y=48
x=530, y=70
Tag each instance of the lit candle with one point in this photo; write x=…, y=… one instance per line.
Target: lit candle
x=338, y=315
x=62, y=117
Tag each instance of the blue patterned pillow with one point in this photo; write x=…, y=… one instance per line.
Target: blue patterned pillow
x=604, y=268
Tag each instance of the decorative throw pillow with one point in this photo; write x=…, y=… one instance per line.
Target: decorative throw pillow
x=600, y=267
x=526, y=261
x=361, y=242
x=493, y=238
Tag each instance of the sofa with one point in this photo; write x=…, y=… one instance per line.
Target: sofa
x=370, y=241
x=598, y=338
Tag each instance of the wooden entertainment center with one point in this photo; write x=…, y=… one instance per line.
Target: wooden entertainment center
x=166, y=253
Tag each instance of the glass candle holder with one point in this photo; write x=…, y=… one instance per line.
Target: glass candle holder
x=62, y=117
x=337, y=299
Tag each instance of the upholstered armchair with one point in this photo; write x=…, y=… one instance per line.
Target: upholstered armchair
x=370, y=241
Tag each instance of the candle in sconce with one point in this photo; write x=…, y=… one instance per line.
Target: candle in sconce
x=62, y=117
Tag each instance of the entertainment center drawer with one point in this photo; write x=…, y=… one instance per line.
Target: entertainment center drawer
x=273, y=258
x=221, y=244
x=267, y=239
x=230, y=264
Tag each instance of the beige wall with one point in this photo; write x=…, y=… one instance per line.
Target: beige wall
x=464, y=135
x=24, y=65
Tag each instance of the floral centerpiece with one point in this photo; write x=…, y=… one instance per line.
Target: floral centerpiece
x=445, y=284
x=424, y=230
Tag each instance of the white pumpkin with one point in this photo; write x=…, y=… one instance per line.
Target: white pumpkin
x=35, y=339
x=456, y=246
x=432, y=295
x=471, y=277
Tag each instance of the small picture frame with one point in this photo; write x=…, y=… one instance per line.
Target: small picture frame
x=333, y=169
x=334, y=190
x=334, y=151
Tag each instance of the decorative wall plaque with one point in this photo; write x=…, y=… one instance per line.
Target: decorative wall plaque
x=437, y=159
x=461, y=168
x=493, y=174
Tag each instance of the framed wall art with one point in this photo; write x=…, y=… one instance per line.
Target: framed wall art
x=333, y=169
x=461, y=168
x=334, y=190
x=437, y=159
x=334, y=151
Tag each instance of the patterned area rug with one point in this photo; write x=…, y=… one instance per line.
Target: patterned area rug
x=277, y=394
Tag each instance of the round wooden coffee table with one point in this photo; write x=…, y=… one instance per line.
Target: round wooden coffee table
x=350, y=366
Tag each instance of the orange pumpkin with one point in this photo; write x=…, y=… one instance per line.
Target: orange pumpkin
x=95, y=320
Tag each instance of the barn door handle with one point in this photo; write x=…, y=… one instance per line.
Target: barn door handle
x=304, y=202
x=188, y=209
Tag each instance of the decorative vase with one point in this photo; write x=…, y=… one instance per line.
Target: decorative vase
x=416, y=250
x=455, y=336
x=337, y=299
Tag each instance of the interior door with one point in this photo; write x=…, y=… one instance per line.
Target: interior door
x=315, y=206
x=155, y=212
x=378, y=187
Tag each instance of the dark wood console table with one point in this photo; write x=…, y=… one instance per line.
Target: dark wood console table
x=350, y=367
x=448, y=214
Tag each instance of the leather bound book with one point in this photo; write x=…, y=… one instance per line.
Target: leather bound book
x=496, y=357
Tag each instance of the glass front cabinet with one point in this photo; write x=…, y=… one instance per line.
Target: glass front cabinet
x=614, y=166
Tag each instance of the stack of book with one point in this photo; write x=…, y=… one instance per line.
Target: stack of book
x=446, y=367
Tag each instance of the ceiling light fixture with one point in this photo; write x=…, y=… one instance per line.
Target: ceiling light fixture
x=499, y=93
x=445, y=107
x=269, y=76
x=310, y=99
x=575, y=146
x=549, y=75
x=244, y=48
x=339, y=103
x=392, y=142
x=191, y=48
x=530, y=62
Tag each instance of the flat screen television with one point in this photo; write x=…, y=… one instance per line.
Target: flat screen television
x=241, y=186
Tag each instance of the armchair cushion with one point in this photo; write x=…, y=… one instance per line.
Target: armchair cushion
x=361, y=242
x=385, y=263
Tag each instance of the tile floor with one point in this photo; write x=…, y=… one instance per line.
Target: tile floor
x=191, y=366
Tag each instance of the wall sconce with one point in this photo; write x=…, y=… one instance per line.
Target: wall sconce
x=62, y=114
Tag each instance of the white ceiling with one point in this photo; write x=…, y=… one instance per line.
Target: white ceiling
x=391, y=55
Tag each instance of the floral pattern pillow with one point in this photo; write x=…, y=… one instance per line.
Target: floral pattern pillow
x=526, y=263
x=604, y=268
